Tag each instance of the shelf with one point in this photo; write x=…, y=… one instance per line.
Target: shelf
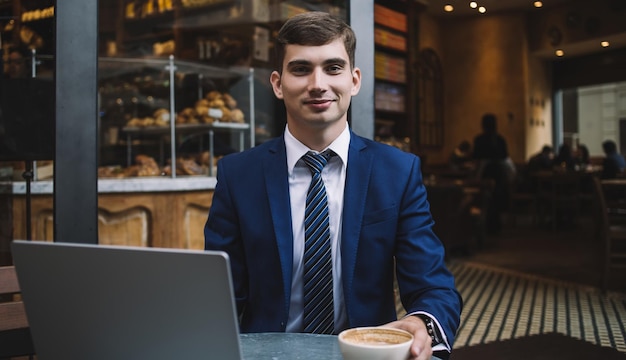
x=155, y=17
x=110, y=67
x=143, y=34
x=390, y=81
x=384, y=122
x=389, y=68
x=185, y=128
x=169, y=74
x=390, y=51
x=388, y=115
x=389, y=40
x=392, y=70
x=389, y=18
x=149, y=36
x=389, y=98
x=225, y=125
x=146, y=10
x=195, y=5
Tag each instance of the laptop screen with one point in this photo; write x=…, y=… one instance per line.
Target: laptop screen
x=113, y=302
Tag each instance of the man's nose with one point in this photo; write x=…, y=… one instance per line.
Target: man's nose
x=317, y=80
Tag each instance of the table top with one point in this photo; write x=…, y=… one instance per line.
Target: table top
x=290, y=346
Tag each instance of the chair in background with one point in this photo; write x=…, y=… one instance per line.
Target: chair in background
x=558, y=198
x=612, y=230
x=522, y=197
x=522, y=204
x=483, y=192
x=451, y=213
x=15, y=338
x=446, y=210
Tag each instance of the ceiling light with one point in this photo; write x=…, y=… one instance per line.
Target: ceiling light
x=473, y=4
x=482, y=10
x=559, y=53
x=538, y=4
x=448, y=8
x=605, y=44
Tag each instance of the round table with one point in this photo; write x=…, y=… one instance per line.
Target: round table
x=289, y=346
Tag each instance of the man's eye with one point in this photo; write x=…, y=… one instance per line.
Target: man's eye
x=300, y=70
x=334, y=69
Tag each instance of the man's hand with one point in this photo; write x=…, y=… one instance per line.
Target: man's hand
x=421, y=349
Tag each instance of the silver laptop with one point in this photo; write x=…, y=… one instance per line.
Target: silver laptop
x=113, y=302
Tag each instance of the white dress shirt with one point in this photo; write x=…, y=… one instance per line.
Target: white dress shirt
x=334, y=177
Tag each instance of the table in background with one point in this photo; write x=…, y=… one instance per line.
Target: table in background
x=458, y=208
x=561, y=196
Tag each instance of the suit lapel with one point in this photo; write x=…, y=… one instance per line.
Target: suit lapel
x=355, y=193
x=277, y=186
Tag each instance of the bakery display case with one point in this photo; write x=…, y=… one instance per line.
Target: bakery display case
x=172, y=118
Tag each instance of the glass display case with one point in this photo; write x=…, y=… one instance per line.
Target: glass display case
x=168, y=117
x=221, y=53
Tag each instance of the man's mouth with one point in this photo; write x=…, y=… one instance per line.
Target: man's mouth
x=317, y=101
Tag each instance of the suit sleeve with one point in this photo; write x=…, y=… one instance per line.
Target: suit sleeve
x=425, y=283
x=222, y=233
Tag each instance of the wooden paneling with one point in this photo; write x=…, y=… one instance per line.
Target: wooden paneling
x=168, y=219
x=129, y=227
x=195, y=218
x=41, y=208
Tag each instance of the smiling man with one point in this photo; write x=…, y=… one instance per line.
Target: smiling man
x=316, y=83
x=319, y=221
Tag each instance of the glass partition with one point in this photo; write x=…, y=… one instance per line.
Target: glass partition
x=187, y=81
x=180, y=83
x=27, y=118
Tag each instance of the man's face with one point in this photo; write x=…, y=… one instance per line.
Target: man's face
x=316, y=84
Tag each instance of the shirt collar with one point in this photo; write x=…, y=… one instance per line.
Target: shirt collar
x=296, y=149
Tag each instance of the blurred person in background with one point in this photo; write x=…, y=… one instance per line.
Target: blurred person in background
x=565, y=158
x=614, y=163
x=582, y=157
x=542, y=160
x=492, y=160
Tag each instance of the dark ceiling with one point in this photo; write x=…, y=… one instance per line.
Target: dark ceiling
x=462, y=8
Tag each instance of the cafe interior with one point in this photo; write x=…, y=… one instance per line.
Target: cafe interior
x=174, y=85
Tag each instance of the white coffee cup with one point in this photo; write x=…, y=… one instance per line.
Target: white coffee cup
x=375, y=343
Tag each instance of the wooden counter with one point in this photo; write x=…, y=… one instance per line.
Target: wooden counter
x=157, y=212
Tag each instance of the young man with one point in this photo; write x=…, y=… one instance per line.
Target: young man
x=374, y=218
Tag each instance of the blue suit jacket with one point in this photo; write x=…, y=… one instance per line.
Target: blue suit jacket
x=386, y=217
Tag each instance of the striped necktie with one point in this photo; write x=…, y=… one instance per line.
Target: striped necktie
x=318, y=274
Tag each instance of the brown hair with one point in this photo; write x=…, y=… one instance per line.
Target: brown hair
x=314, y=28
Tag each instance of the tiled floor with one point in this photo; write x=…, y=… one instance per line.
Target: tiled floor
x=531, y=280
x=501, y=304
